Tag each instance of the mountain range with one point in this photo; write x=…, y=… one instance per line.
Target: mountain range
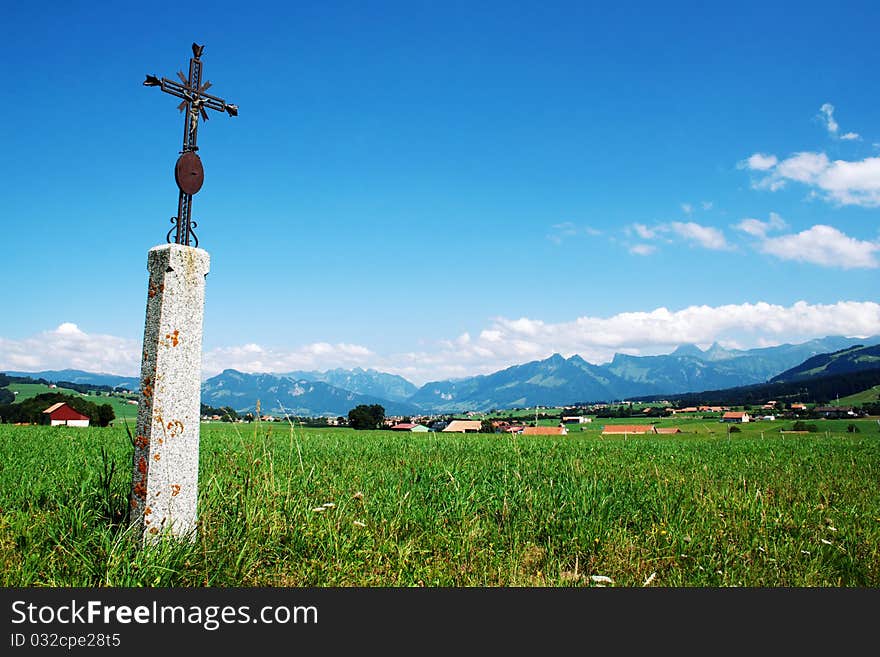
x=550, y=382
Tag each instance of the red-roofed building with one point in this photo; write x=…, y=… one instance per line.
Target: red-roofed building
x=668, y=430
x=735, y=416
x=620, y=429
x=61, y=414
x=463, y=426
x=544, y=431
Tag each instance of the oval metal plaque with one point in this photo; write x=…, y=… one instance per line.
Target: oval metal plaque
x=188, y=173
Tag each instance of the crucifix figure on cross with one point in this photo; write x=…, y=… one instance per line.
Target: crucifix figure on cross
x=188, y=171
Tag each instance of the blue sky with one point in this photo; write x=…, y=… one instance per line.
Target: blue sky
x=444, y=189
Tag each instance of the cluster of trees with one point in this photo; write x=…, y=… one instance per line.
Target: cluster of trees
x=6, y=395
x=226, y=413
x=31, y=410
x=366, y=416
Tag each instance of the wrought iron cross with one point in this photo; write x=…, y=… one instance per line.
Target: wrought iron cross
x=188, y=171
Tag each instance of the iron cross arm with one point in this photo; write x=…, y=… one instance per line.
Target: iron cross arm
x=186, y=93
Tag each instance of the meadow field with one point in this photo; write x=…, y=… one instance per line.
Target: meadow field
x=282, y=505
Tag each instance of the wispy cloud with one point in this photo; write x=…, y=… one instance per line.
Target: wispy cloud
x=760, y=228
x=706, y=237
x=642, y=249
x=568, y=229
x=758, y=162
x=826, y=115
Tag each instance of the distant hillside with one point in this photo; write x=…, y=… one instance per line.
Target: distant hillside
x=552, y=381
x=365, y=382
x=690, y=369
x=86, y=378
x=549, y=382
x=853, y=359
x=558, y=381
x=819, y=389
x=283, y=394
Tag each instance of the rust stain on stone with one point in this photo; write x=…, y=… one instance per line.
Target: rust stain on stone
x=175, y=428
x=155, y=289
x=140, y=490
x=173, y=337
x=156, y=457
x=175, y=490
x=148, y=511
x=142, y=465
x=154, y=530
x=141, y=441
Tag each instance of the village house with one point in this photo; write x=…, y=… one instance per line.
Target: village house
x=624, y=429
x=463, y=426
x=61, y=414
x=576, y=419
x=410, y=426
x=544, y=431
x=736, y=416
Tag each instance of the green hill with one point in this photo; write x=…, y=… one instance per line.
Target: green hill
x=851, y=359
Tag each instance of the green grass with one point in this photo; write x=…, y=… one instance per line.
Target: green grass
x=866, y=396
x=120, y=407
x=688, y=510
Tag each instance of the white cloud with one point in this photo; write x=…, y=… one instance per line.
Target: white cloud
x=826, y=115
x=566, y=229
x=643, y=231
x=687, y=208
x=758, y=162
x=503, y=343
x=705, y=236
x=642, y=249
x=825, y=246
x=69, y=347
x=760, y=228
x=255, y=358
x=840, y=181
x=596, y=339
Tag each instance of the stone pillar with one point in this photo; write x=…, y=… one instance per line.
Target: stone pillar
x=166, y=452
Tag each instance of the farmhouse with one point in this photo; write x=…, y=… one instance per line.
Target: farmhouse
x=623, y=429
x=61, y=414
x=735, y=416
x=544, y=431
x=576, y=419
x=668, y=430
x=463, y=426
x=409, y=426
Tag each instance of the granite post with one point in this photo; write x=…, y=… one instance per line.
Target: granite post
x=164, y=491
